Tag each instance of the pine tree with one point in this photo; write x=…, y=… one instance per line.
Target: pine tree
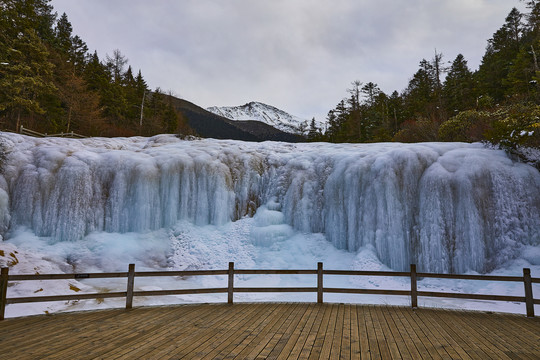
x=71, y=48
x=419, y=95
x=314, y=131
x=26, y=76
x=502, y=49
x=458, y=89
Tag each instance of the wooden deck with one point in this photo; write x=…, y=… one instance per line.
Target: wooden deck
x=271, y=331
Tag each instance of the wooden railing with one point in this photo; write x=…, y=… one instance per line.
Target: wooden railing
x=527, y=280
x=29, y=132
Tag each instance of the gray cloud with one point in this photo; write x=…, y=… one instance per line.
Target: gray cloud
x=299, y=55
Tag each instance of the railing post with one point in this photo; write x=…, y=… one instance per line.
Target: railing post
x=3, y=291
x=527, y=282
x=231, y=283
x=130, y=284
x=319, y=283
x=414, y=293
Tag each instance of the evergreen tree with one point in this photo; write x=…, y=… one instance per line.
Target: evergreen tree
x=502, y=49
x=523, y=75
x=419, y=95
x=26, y=75
x=313, y=132
x=458, y=89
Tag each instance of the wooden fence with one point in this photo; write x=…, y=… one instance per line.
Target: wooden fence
x=527, y=280
x=29, y=132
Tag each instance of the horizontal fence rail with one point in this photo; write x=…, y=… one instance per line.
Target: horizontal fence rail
x=131, y=274
x=33, y=133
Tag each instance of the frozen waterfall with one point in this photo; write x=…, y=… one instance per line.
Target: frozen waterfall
x=449, y=207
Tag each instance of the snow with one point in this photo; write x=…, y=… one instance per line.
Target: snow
x=93, y=205
x=267, y=114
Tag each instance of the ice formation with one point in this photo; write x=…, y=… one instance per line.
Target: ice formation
x=448, y=207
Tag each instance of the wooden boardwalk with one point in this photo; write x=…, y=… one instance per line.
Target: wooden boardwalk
x=271, y=331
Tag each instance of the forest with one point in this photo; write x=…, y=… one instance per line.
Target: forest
x=51, y=82
x=447, y=101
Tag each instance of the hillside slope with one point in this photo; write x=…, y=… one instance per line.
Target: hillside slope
x=209, y=125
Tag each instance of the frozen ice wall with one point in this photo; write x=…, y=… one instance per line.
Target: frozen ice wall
x=448, y=207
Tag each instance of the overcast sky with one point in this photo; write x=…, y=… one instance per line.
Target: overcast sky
x=298, y=55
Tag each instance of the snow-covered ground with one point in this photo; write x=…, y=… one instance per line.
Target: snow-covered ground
x=96, y=205
x=268, y=114
x=186, y=247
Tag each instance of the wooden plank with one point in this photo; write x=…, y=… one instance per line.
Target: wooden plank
x=67, y=276
x=31, y=299
x=479, y=341
x=472, y=296
x=526, y=329
x=123, y=331
x=274, y=331
x=162, y=328
x=313, y=346
x=278, y=341
x=394, y=320
x=265, y=334
x=365, y=273
x=346, y=341
x=355, y=336
x=387, y=349
x=264, y=338
x=214, y=327
x=289, y=338
x=4, y=275
x=275, y=289
x=206, y=328
x=228, y=335
x=253, y=331
x=486, y=337
x=310, y=329
x=329, y=333
x=447, y=341
x=276, y=272
x=130, y=284
x=230, y=290
x=422, y=336
x=508, y=340
x=341, y=341
x=250, y=334
x=471, y=277
x=461, y=336
x=242, y=337
x=373, y=346
x=529, y=301
x=189, y=328
x=320, y=283
x=366, y=291
x=414, y=287
x=180, y=292
x=183, y=273
x=397, y=346
x=52, y=327
x=79, y=335
x=365, y=352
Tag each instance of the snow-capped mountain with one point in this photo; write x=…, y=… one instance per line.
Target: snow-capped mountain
x=265, y=113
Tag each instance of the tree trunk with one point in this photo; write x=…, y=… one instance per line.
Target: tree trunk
x=18, y=127
x=69, y=119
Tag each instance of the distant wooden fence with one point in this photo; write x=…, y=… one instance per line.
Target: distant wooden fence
x=29, y=132
x=528, y=299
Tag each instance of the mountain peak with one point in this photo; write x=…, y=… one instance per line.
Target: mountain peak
x=268, y=114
